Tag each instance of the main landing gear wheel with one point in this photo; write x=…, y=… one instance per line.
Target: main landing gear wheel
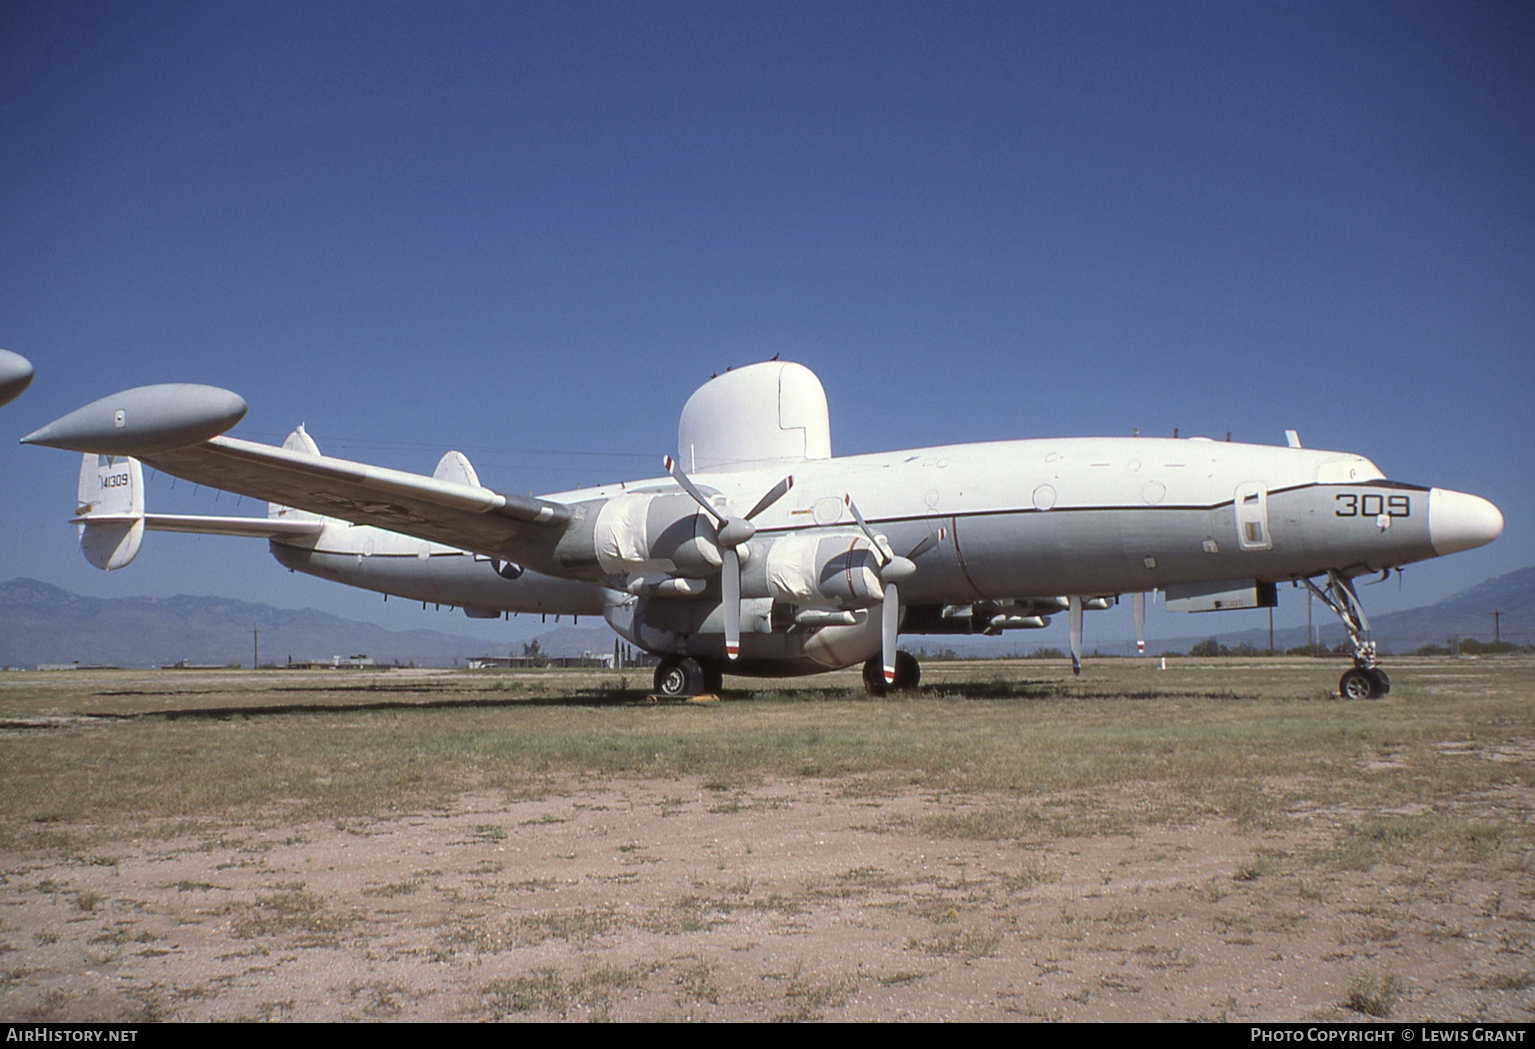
x=1364, y=683
x=908, y=672
x=679, y=676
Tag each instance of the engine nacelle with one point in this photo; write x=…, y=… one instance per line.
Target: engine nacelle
x=655, y=533
x=820, y=571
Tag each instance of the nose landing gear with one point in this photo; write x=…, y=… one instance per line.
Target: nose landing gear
x=1364, y=683
x=1365, y=680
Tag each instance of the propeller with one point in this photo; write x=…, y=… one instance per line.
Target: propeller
x=731, y=533
x=1138, y=606
x=892, y=569
x=1074, y=629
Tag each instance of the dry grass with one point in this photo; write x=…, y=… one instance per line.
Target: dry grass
x=1373, y=813
x=238, y=747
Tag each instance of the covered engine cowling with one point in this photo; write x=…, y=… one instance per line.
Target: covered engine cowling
x=655, y=533
x=821, y=571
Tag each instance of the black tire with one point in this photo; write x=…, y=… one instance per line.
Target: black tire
x=908, y=673
x=874, y=677
x=714, y=678
x=1382, y=682
x=1357, y=683
x=677, y=677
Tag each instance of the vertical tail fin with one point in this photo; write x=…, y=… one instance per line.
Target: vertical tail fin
x=110, y=509
x=298, y=441
x=456, y=467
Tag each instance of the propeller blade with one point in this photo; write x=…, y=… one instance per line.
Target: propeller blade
x=730, y=596
x=675, y=469
x=926, y=545
x=1074, y=606
x=778, y=492
x=889, y=622
x=879, y=547
x=1138, y=606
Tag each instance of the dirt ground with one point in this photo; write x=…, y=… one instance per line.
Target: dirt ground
x=652, y=899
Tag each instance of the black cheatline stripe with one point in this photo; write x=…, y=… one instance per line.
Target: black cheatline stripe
x=1116, y=508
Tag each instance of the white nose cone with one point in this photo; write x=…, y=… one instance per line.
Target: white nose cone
x=1457, y=521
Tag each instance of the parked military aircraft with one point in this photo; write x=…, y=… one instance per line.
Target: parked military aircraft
x=761, y=554
x=15, y=375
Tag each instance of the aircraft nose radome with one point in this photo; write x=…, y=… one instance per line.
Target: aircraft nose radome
x=1457, y=521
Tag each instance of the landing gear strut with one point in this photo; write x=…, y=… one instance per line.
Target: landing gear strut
x=1366, y=680
x=908, y=672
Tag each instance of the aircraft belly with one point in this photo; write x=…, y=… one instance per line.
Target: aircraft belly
x=1170, y=545
x=456, y=579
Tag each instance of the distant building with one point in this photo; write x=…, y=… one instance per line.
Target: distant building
x=359, y=662
x=585, y=659
x=77, y=665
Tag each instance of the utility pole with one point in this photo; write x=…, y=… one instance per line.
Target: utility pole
x=1496, y=633
x=255, y=646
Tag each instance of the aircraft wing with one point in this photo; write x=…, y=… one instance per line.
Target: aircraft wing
x=178, y=428
x=467, y=516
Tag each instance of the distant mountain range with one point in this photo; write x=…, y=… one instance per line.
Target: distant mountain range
x=1465, y=614
x=41, y=623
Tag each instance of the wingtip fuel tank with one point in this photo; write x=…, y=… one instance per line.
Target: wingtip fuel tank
x=144, y=419
x=15, y=375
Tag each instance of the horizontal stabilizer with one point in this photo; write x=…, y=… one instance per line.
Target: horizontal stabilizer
x=194, y=524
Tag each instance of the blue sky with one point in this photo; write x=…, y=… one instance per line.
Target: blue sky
x=529, y=231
